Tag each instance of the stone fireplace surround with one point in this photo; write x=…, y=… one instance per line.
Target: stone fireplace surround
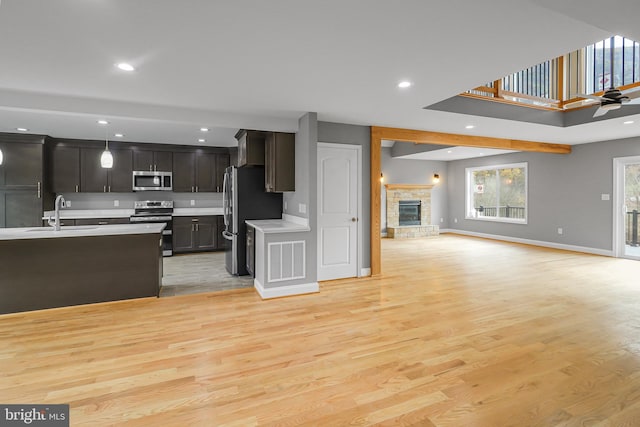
x=397, y=192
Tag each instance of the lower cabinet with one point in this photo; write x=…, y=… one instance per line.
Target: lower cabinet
x=195, y=233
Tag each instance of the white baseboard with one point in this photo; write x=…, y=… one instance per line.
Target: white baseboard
x=573, y=248
x=285, y=291
x=365, y=272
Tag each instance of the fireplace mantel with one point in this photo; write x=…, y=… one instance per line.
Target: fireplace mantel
x=408, y=186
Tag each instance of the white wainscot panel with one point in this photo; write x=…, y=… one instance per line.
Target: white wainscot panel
x=286, y=261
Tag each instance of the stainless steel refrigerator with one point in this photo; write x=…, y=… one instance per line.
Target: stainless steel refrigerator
x=244, y=198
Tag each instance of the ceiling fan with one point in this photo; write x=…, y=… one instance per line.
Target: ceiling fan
x=613, y=98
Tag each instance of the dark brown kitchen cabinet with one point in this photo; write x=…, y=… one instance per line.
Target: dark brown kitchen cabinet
x=184, y=164
x=20, y=208
x=197, y=172
x=23, y=163
x=194, y=234
x=250, y=147
x=65, y=169
x=279, y=170
x=21, y=180
x=147, y=160
x=95, y=179
x=222, y=162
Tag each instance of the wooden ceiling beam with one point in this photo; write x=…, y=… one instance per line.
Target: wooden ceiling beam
x=453, y=139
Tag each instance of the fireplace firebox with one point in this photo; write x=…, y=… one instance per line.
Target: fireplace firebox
x=409, y=212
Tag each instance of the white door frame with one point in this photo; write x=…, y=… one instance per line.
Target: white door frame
x=618, y=204
x=359, y=248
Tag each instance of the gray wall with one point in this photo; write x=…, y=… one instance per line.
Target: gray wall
x=106, y=200
x=564, y=191
x=339, y=133
x=402, y=171
x=306, y=158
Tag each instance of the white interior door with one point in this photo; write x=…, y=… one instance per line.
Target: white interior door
x=627, y=207
x=338, y=174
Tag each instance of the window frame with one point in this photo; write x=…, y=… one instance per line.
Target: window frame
x=469, y=193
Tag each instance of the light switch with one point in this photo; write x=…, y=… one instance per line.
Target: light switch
x=193, y=203
x=604, y=197
x=67, y=204
x=302, y=208
x=116, y=203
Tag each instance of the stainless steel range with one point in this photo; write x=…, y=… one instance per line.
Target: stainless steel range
x=161, y=211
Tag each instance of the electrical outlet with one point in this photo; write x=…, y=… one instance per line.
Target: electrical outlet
x=116, y=203
x=441, y=219
x=302, y=208
x=285, y=205
x=560, y=231
x=192, y=203
x=455, y=220
x=604, y=197
x=67, y=204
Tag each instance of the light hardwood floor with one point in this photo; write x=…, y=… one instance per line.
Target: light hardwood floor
x=459, y=332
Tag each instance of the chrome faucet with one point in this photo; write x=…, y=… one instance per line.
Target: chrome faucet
x=55, y=223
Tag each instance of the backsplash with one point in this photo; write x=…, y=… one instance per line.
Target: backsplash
x=125, y=200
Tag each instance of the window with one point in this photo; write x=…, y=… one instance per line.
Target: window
x=497, y=193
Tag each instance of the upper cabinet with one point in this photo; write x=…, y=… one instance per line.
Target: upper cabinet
x=280, y=171
x=65, y=169
x=251, y=147
x=23, y=161
x=199, y=171
x=148, y=160
x=95, y=179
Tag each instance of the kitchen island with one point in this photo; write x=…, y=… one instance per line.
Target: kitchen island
x=42, y=268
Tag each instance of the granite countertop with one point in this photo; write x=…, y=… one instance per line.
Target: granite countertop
x=90, y=213
x=125, y=213
x=79, y=231
x=276, y=226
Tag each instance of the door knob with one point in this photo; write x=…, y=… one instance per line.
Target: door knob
x=354, y=219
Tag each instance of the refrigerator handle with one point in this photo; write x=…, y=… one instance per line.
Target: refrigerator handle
x=227, y=235
x=225, y=202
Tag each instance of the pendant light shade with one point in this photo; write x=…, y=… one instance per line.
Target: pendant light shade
x=0, y=157
x=106, y=160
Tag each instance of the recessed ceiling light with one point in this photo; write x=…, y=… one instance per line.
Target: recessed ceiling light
x=201, y=140
x=449, y=151
x=125, y=67
x=204, y=129
x=628, y=122
x=22, y=129
x=118, y=135
x=103, y=122
x=482, y=154
x=469, y=126
x=404, y=84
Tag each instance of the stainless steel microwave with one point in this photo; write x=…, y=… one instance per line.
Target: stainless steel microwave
x=152, y=181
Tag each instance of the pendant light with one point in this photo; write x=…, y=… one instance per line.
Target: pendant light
x=106, y=159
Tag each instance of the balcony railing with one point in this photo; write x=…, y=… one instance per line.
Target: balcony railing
x=555, y=84
x=516, y=212
x=632, y=228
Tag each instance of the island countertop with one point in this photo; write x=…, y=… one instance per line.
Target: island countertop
x=79, y=231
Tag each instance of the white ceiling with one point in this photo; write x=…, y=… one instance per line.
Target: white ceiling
x=263, y=64
x=453, y=153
